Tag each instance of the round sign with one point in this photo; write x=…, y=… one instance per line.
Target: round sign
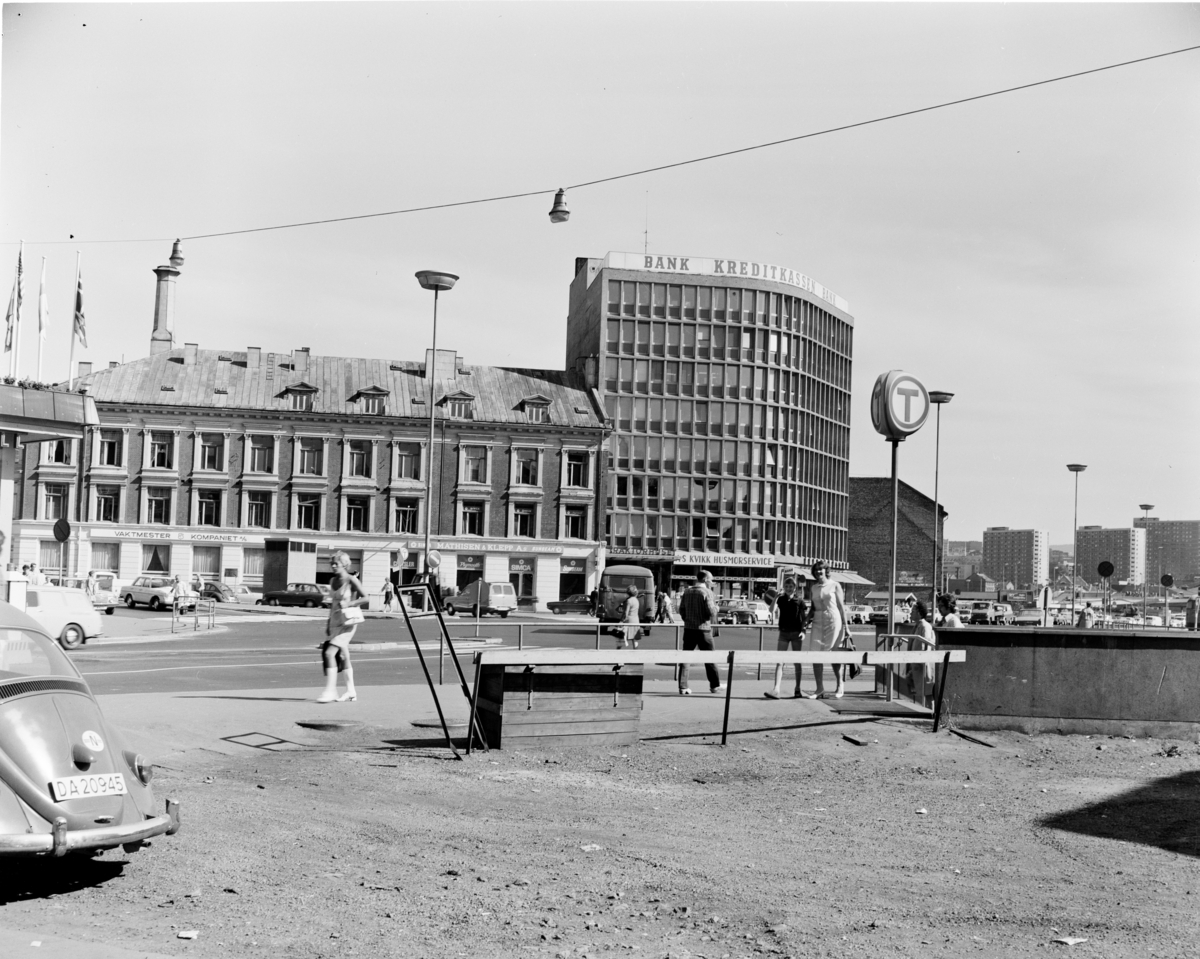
x=403, y=553
x=434, y=560
x=62, y=530
x=1105, y=569
x=1167, y=579
x=899, y=405
x=92, y=740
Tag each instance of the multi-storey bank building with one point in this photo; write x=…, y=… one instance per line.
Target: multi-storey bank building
x=727, y=387
x=206, y=460
x=1017, y=556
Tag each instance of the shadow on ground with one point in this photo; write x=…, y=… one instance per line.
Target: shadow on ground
x=46, y=877
x=1165, y=813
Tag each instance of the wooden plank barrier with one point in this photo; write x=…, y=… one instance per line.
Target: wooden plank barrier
x=554, y=697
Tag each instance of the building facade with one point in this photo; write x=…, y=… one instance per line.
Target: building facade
x=1124, y=548
x=870, y=533
x=1017, y=556
x=1172, y=546
x=726, y=385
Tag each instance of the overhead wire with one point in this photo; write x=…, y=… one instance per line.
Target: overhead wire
x=654, y=169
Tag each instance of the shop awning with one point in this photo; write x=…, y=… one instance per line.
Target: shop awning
x=850, y=579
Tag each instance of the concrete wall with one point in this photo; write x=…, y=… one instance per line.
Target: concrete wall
x=1139, y=683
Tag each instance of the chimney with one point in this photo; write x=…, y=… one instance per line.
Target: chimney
x=85, y=368
x=300, y=361
x=190, y=350
x=162, y=338
x=445, y=367
x=113, y=364
x=253, y=357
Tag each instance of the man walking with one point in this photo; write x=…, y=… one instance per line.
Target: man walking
x=699, y=612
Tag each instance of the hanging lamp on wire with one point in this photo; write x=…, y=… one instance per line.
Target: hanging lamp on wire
x=559, y=212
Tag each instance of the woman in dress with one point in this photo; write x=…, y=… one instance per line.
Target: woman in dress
x=346, y=592
x=829, y=626
x=919, y=618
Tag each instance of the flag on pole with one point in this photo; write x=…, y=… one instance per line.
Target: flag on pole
x=13, y=317
x=43, y=305
x=79, y=328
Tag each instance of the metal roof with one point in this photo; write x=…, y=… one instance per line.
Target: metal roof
x=222, y=380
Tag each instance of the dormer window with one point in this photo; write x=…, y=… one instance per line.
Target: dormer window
x=371, y=401
x=537, y=408
x=299, y=397
x=460, y=405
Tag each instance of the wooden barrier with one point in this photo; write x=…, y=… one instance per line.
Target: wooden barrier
x=576, y=703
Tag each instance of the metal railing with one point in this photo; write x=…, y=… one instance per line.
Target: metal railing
x=205, y=609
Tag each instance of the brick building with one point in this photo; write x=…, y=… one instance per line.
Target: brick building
x=1172, y=546
x=1017, y=556
x=869, y=533
x=1124, y=548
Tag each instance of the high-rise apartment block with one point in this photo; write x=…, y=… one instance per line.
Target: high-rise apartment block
x=1017, y=556
x=1172, y=546
x=1124, y=548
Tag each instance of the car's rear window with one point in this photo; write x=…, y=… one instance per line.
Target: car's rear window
x=504, y=589
x=623, y=582
x=27, y=654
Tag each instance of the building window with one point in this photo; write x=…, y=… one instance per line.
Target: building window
x=106, y=556
x=537, y=413
x=212, y=450
x=358, y=512
x=575, y=522
x=206, y=561
x=300, y=401
x=158, y=505
x=56, y=501
x=108, y=503
x=475, y=464
x=472, y=519
x=408, y=461
x=162, y=450
x=262, y=454
x=460, y=409
x=526, y=467
x=524, y=519
x=374, y=404
x=308, y=511
x=156, y=559
x=258, y=509
x=208, y=507
x=312, y=456
x=111, y=442
x=60, y=452
x=360, y=458
x=577, y=468
x=406, y=515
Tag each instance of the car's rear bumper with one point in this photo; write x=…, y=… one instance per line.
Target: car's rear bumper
x=61, y=841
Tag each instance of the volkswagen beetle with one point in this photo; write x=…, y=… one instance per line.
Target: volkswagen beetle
x=68, y=784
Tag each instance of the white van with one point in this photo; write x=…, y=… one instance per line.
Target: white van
x=498, y=598
x=64, y=612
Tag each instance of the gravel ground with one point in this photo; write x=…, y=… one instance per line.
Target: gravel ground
x=792, y=842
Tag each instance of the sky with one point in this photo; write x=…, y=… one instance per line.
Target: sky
x=1035, y=254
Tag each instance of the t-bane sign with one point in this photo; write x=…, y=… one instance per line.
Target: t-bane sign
x=706, y=266
x=899, y=405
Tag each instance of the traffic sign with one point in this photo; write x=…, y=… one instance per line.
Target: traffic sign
x=899, y=405
x=434, y=560
x=1167, y=580
x=1105, y=569
x=62, y=530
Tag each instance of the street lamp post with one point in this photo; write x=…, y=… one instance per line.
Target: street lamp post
x=1075, y=468
x=1145, y=508
x=437, y=281
x=937, y=398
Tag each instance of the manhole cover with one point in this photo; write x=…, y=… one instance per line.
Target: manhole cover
x=329, y=725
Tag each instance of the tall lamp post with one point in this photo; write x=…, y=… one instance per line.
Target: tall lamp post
x=937, y=398
x=1075, y=468
x=437, y=281
x=1145, y=508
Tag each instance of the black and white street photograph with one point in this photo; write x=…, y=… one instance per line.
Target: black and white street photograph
x=559, y=480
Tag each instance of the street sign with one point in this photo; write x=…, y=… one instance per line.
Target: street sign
x=434, y=560
x=899, y=405
x=1167, y=580
x=62, y=530
x=1105, y=569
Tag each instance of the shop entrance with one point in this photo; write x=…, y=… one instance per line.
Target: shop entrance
x=572, y=577
x=520, y=574
x=470, y=568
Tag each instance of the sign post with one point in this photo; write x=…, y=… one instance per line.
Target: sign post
x=62, y=532
x=1105, y=569
x=899, y=407
x=1167, y=581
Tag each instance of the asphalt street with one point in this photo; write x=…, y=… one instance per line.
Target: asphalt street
x=276, y=651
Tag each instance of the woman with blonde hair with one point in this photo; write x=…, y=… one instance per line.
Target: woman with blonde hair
x=346, y=597
x=829, y=626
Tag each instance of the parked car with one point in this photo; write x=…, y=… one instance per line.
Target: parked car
x=579, y=603
x=1178, y=621
x=221, y=593
x=498, y=598
x=1031, y=617
x=68, y=782
x=309, y=595
x=859, y=614
x=65, y=613
x=732, y=611
x=106, y=596
x=760, y=612
x=155, y=592
x=991, y=614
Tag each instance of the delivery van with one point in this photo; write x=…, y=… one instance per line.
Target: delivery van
x=498, y=598
x=614, y=582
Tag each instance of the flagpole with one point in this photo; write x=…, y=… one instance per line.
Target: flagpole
x=16, y=357
x=75, y=309
x=43, y=315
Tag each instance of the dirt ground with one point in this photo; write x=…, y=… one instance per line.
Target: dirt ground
x=788, y=842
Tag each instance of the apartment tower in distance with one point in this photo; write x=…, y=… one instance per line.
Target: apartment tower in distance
x=1172, y=546
x=1017, y=556
x=1124, y=548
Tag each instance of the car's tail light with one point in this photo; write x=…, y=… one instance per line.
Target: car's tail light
x=141, y=766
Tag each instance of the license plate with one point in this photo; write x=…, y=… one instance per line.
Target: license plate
x=87, y=787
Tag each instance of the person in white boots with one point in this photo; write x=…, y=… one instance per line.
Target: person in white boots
x=347, y=596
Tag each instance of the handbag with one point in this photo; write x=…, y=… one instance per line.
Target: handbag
x=848, y=645
x=353, y=615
